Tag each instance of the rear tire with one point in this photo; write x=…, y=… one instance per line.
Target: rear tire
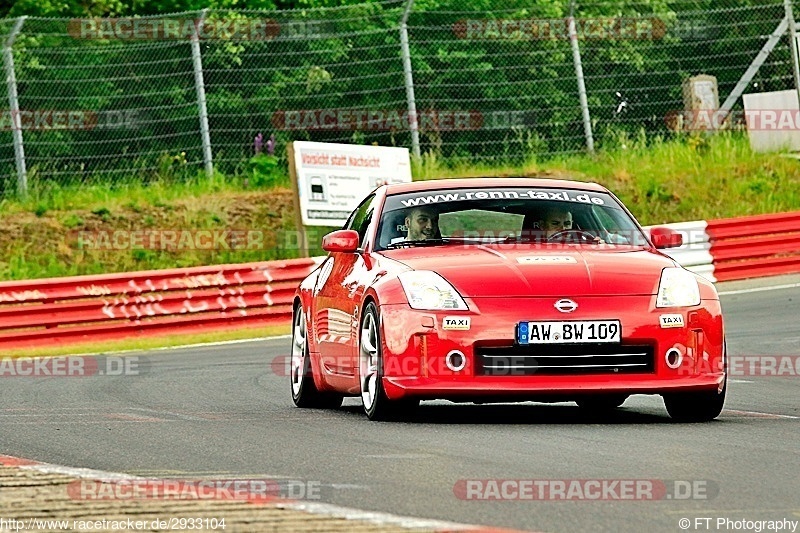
x=377, y=405
x=304, y=392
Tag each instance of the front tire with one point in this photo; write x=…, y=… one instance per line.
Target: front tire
x=699, y=406
x=696, y=406
x=304, y=392
x=377, y=405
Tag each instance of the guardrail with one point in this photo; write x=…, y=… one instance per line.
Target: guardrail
x=115, y=306
x=740, y=248
x=754, y=246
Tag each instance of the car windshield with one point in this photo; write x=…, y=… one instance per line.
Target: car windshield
x=506, y=215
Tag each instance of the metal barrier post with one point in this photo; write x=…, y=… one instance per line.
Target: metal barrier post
x=793, y=45
x=13, y=102
x=576, y=59
x=751, y=71
x=197, y=61
x=413, y=121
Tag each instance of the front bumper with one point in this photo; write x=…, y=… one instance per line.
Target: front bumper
x=416, y=344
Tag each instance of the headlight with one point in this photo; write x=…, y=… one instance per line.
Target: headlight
x=678, y=288
x=429, y=291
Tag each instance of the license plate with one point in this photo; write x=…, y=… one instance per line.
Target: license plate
x=569, y=332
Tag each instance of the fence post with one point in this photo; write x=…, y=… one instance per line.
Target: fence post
x=751, y=71
x=13, y=102
x=576, y=59
x=793, y=45
x=200, y=88
x=413, y=121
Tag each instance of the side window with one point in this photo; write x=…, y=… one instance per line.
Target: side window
x=361, y=218
x=605, y=219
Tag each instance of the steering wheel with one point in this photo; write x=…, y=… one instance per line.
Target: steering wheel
x=577, y=236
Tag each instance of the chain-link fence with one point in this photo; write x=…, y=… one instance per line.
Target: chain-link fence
x=111, y=100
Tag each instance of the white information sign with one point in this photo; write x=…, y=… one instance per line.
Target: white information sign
x=773, y=120
x=332, y=179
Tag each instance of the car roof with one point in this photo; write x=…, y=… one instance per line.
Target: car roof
x=479, y=183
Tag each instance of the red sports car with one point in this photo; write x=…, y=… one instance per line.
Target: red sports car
x=502, y=290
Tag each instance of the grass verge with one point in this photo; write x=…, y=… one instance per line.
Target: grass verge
x=660, y=181
x=685, y=178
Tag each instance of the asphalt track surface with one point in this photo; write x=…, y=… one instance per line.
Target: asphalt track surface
x=224, y=411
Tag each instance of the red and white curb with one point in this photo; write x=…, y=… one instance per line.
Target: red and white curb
x=324, y=509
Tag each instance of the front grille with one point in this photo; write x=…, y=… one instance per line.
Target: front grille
x=564, y=359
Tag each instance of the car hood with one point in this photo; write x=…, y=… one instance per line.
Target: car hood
x=497, y=271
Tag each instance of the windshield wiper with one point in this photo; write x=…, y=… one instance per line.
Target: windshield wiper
x=418, y=242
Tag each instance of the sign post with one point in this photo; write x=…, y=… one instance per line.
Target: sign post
x=302, y=236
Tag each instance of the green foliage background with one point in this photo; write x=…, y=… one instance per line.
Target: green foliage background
x=353, y=61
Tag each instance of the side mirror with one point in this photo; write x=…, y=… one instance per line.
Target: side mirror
x=665, y=238
x=343, y=240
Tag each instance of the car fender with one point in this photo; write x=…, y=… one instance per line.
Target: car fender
x=305, y=295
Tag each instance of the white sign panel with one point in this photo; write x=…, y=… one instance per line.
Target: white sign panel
x=773, y=120
x=332, y=179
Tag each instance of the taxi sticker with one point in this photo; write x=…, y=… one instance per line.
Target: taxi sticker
x=455, y=322
x=671, y=321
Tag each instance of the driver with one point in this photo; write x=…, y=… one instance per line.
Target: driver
x=422, y=223
x=555, y=219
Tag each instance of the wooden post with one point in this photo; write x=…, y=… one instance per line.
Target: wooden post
x=302, y=236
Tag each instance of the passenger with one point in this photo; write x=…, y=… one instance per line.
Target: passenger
x=555, y=219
